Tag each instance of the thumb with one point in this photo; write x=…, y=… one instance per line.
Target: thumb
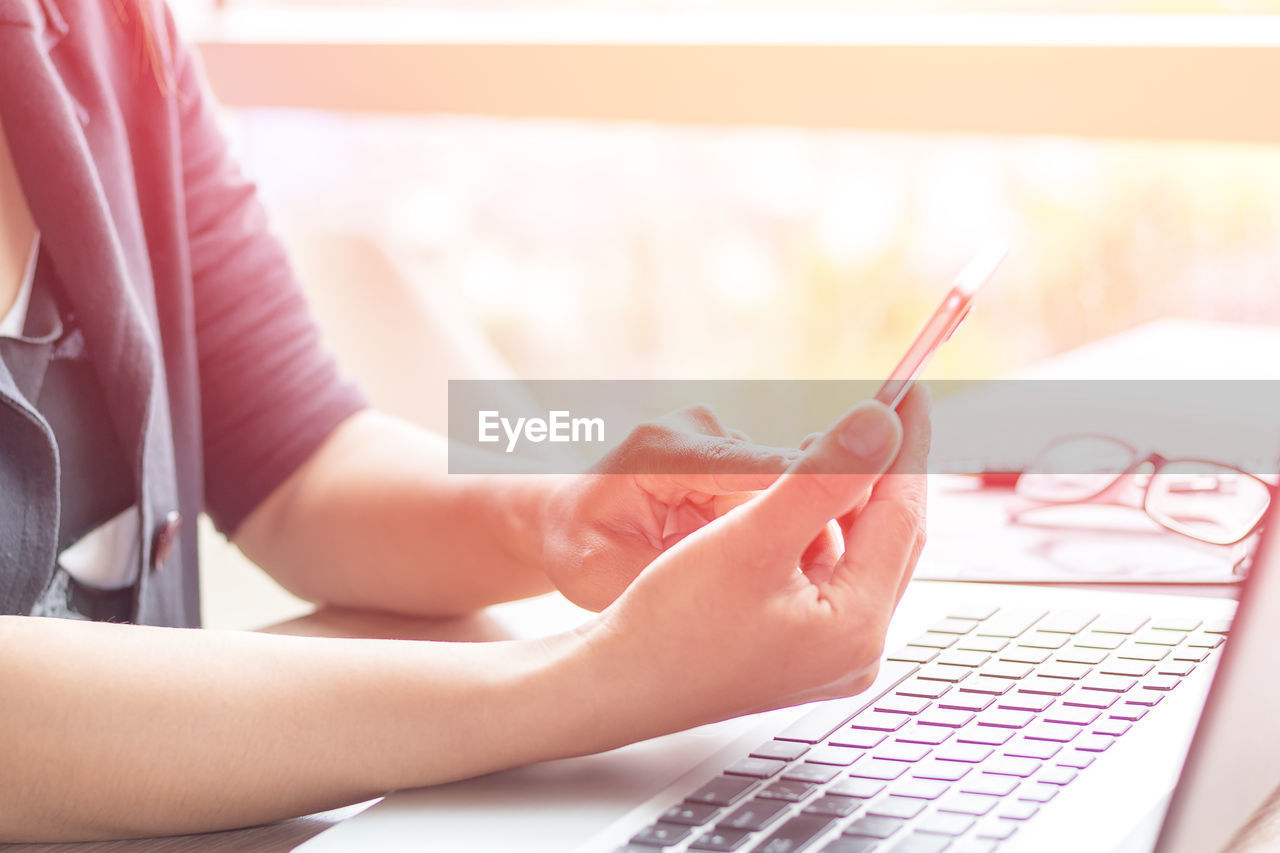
x=835, y=475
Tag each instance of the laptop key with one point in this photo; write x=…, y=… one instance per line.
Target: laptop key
x=946, y=823
x=721, y=840
x=921, y=789
x=754, y=815
x=1159, y=638
x=928, y=735
x=998, y=830
x=815, y=774
x=689, y=814
x=1041, y=750
x=977, y=612
x=1056, y=732
x=1045, y=686
x=1161, y=682
x=976, y=643
x=987, y=685
x=878, y=721
x=862, y=789
x=1108, y=683
x=1003, y=669
x=1078, y=654
x=952, y=625
x=779, y=750
x=788, y=790
x=944, y=717
x=903, y=808
x=1018, y=810
x=1129, y=668
x=1094, y=743
x=1114, y=728
x=934, y=640
x=1044, y=640
x=1058, y=775
x=817, y=725
x=963, y=657
x=1098, y=640
x=975, y=805
x=1009, y=766
x=874, y=827
x=829, y=806
x=1024, y=702
x=1176, y=667
x=852, y=845
x=1091, y=699
x=989, y=784
x=967, y=701
x=840, y=756
x=895, y=703
x=722, y=790
x=878, y=768
x=987, y=735
x=1131, y=713
x=1143, y=651
x=913, y=654
x=1066, y=621
x=1149, y=698
x=902, y=751
x=1119, y=623
x=923, y=688
x=796, y=834
x=1036, y=792
x=662, y=834
x=1175, y=623
x=857, y=738
x=969, y=753
x=944, y=672
x=1217, y=626
x=1190, y=653
x=756, y=768
x=1022, y=654
x=918, y=842
x=1075, y=759
x=1006, y=719
x=1072, y=671
x=1010, y=622
x=943, y=771
x=1074, y=716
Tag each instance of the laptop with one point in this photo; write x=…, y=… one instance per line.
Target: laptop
x=1004, y=719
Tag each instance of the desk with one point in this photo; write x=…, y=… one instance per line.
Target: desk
x=1160, y=350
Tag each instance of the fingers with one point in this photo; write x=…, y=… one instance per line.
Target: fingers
x=692, y=450
x=717, y=465
x=834, y=475
x=884, y=540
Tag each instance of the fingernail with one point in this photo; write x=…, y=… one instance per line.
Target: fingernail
x=868, y=432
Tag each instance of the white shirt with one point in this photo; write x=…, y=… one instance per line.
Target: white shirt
x=103, y=557
x=13, y=322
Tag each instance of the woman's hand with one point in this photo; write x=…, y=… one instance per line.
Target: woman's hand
x=666, y=480
x=736, y=618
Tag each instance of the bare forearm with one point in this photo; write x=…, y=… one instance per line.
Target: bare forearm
x=117, y=731
x=373, y=521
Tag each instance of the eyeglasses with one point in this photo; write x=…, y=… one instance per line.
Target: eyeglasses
x=1207, y=501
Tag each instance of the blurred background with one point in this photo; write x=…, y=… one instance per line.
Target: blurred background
x=437, y=246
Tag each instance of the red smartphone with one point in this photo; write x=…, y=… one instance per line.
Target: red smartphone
x=940, y=325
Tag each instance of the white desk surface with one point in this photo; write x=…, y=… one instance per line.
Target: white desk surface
x=1168, y=349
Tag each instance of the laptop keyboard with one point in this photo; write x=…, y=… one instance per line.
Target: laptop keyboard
x=993, y=712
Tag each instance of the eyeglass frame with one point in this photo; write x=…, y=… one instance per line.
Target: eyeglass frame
x=1157, y=461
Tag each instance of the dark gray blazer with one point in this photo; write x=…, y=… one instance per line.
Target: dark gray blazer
x=194, y=322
